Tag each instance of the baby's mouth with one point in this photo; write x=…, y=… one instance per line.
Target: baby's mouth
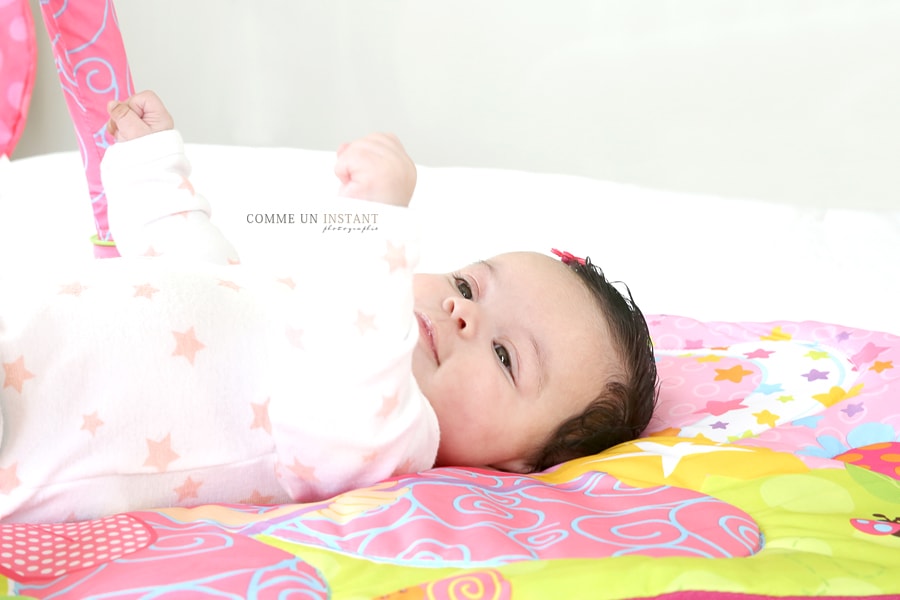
x=426, y=332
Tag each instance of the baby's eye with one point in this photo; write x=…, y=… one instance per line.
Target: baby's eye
x=464, y=288
x=503, y=354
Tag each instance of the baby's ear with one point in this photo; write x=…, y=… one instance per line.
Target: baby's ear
x=517, y=465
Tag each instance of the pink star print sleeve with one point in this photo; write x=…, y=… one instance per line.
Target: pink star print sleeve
x=153, y=209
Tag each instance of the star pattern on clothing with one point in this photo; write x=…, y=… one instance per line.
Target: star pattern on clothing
x=395, y=257
x=188, y=489
x=230, y=285
x=144, y=290
x=735, y=374
x=288, y=282
x=91, y=423
x=15, y=374
x=160, y=454
x=388, y=405
x=186, y=185
x=294, y=337
x=71, y=289
x=302, y=471
x=187, y=344
x=261, y=416
x=9, y=480
x=256, y=498
x=151, y=252
x=671, y=456
x=364, y=322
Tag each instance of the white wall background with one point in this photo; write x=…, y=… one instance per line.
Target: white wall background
x=785, y=100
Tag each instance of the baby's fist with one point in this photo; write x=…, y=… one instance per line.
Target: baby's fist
x=142, y=114
x=376, y=168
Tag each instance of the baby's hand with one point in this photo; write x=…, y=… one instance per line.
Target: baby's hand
x=140, y=115
x=376, y=168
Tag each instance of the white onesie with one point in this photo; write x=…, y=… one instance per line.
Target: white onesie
x=176, y=376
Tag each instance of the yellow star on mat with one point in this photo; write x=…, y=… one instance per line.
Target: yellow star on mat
x=187, y=345
x=880, y=366
x=837, y=394
x=785, y=398
x=188, y=489
x=160, y=454
x=16, y=374
x=261, y=416
x=672, y=455
x=734, y=374
x=777, y=334
x=766, y=418
x=708, y=358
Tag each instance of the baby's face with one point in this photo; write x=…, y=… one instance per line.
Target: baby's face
x=508, y=349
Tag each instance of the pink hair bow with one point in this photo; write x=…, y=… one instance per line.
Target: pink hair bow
x=567, y=257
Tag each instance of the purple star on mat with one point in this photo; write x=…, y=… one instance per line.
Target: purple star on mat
x=815, y=374
x=852, y=409
x=693, y=344
x=843, y=336
x=719, y=425
x=759, y=353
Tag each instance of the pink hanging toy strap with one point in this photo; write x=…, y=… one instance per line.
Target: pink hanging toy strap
x=92, y=67
x=567, y=257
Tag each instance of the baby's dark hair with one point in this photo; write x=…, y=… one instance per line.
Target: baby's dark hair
x=624, y=405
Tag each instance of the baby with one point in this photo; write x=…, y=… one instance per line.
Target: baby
x=176, y=375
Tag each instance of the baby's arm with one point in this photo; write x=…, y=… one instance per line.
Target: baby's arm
x=152, y=206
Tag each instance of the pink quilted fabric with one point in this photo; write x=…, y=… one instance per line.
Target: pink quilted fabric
x=17, y=69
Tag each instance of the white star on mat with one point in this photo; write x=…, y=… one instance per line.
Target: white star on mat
x=672, y=455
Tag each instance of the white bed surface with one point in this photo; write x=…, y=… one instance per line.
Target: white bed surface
x=707, y=257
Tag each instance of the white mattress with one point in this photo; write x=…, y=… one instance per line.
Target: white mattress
x=710, y=258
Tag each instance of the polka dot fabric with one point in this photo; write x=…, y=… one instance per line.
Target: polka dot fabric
x=17, y=69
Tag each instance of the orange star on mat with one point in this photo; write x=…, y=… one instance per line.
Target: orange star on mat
x=91, y=423
x=188, y=489
x=364, y=322
x=187, y=345
x=16, y=374
x=145, y=290
x=302, y=471
x=230, y=285
x=261, y=416
x=8, y=478
x=395, y=257
x=880, y=366
x=735, y=374
x=72, y=289
x=160, y=453
x=257, y=498
x=388, y=404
